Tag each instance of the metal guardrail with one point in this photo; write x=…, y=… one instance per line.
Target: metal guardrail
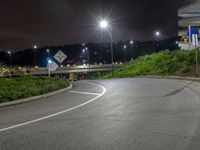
x=74, y=69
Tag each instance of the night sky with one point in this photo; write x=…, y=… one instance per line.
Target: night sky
x=24, y=23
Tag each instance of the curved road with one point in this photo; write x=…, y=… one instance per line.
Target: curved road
x=117, y=114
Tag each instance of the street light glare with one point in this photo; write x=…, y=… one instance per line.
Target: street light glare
x=131, y=42
x=103, y=24
x=35, y=46
x=157, y=33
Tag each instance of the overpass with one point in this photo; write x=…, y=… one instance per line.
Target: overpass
x=75, y=69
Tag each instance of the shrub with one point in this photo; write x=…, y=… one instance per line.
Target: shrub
x=23, y=87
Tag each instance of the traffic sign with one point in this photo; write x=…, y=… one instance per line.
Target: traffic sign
x=191, y=31
x=60, y=56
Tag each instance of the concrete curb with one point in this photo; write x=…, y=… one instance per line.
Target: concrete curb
x=16, y=102
x=172, y=77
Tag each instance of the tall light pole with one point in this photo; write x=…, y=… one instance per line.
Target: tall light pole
x=157, y=35
x=35, y=59
x=124, y=52
x=49, y=69
x=131, y=43
x=10, y=55
x=88, y=53
x=48, y=51
x=103, y=24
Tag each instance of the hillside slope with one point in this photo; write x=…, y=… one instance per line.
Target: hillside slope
x=161, y=64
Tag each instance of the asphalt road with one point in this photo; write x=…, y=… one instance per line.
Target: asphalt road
x=118, y=114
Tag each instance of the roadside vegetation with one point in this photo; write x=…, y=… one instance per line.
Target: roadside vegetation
x=28, y=86
x=163, y=63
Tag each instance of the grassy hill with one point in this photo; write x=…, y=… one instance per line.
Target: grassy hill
x=162, y=64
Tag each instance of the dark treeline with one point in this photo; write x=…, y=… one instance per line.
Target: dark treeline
x=96, y=53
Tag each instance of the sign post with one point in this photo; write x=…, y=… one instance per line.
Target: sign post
x=60, y=57
x=193, y=34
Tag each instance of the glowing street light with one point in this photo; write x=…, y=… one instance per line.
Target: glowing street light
x=35, y=60
x=104, y=24
x=48, y=52
x=48, y=67
x=35, y=46
x=132, y=42
x=125, y=52
x=157, y=33
x=10, y=55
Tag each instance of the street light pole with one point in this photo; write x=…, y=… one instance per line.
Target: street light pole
x=104, y=24
x=35, y=59
x=112, y=55
x=157, y=34
x=48, y=52
x=10, y=56
x=125, y=53
x=131, y=42
x=88, y=53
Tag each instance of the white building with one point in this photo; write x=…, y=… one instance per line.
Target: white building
x=189, y=16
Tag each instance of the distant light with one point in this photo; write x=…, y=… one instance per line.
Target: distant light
x=177, y=42
x=68, y=65
x=61, y=66
x=36, y=66
x=9, y=52
x=83, y=44
x=35, y=46
x=48, y=50
x=157, y=33
x=131, y=42
x=83, y=50
x=49, y=61
x=125, y=46
x=86, y=48
x=103, y=24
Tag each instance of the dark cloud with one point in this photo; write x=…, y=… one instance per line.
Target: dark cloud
x=54, y=22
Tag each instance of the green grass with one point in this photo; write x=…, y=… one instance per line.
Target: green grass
x=161, y=64
x=28, y=86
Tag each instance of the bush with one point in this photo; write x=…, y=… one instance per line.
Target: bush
x=23, y=87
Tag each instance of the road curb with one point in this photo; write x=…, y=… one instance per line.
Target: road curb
x=16, y=102
x=172, y=77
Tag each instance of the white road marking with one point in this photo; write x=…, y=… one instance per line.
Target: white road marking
x=87, y=93
x=58, y=113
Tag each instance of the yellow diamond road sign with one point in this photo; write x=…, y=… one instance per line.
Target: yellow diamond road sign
x=60, y=56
